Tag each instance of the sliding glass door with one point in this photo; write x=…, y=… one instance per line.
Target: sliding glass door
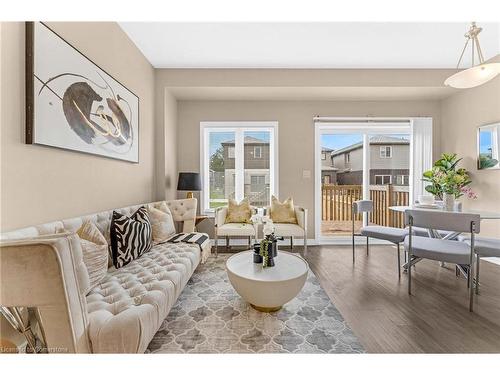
x=361, y=161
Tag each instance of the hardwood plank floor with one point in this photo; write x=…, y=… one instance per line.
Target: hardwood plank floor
x=434, y=319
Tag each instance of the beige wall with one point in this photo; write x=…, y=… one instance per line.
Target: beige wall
x=462, y=113
x=40, y=184
x=295, y=133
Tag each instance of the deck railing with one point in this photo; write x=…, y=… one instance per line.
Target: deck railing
x=337, y=203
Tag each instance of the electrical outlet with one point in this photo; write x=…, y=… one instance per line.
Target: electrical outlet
x=306, y=173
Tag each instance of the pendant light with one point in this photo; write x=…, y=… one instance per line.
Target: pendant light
x=476, y=75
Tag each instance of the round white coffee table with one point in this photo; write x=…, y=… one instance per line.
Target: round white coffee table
x=267, y=289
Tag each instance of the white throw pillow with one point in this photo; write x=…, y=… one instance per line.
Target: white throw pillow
x=95, y=252
x=162, y=223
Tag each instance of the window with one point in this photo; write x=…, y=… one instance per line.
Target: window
x=229, y=170
x=257, y=152
x=383, y=179
x=402, y=180
x=386, y=152
x=347, y=157
x=326, y=179
x=257, y=183
x=323, y=156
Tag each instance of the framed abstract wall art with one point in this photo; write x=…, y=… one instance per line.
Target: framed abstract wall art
x=73, y=104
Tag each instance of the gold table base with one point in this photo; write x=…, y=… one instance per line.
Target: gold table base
x=266, y=309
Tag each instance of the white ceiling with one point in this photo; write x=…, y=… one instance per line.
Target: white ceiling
x=306, y=45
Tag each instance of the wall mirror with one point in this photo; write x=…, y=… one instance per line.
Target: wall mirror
x=488, y=141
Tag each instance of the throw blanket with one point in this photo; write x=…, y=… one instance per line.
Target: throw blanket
x=197, y=238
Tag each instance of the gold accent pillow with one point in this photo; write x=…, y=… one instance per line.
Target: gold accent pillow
x=239, y=213
x=162, y=223
x=283, y=212
x=95, y=252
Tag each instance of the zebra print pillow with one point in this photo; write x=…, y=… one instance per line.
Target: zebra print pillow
x=130, y=236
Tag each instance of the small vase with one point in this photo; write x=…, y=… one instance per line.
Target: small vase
x=449, y=201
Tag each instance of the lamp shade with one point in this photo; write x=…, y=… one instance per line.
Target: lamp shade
x=189, y=181
x=475, y=76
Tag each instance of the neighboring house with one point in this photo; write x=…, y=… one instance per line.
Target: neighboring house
x=328, y=171
x=256, y=170
x=389, y=162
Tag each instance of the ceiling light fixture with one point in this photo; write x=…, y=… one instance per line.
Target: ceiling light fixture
x=476, y=75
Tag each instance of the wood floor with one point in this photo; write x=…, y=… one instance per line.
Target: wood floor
x=435, y=319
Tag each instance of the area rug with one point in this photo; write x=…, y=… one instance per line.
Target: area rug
x=210, y=317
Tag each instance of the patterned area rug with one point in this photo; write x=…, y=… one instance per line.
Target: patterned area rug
x=210, y=317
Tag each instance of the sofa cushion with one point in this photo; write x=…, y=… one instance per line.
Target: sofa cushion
x=95, y=252
x=288, y=230
x=162, y=224
x=129, y=305
x=130, y=236
x=236, y=229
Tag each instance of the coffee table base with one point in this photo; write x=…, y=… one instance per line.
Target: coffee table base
x=266, y=309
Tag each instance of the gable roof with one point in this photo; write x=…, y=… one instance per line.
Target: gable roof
x=374, y=140
x=248, y=139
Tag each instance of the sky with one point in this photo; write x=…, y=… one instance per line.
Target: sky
x=485, y=142
x=216, y=138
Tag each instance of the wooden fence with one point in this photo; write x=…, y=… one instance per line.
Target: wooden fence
x=337, y=203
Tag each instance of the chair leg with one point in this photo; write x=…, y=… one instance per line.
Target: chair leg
x=249, y=242
x=305, y=245
x=471, y=288
x=216, y=245
x=227, y=243
x=367, y=246
x=399, y=263
x=477, y=273
x=353, y=247
x=291, y=243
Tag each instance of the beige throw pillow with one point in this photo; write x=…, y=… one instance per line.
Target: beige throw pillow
x=162, y=223
x=238, y=213
x=283, y=212
x=95, y=252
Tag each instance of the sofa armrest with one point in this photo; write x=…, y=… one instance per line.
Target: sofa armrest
x=220, y=216
x=44, y=273
x=301, y=214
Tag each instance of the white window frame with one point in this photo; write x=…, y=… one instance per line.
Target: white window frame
x=230, y=152
x=323, y=156
x=255, y=148
x=239, y=128
x=257, y=176
x=383, y=152
x=347, y=157
x=383, y=177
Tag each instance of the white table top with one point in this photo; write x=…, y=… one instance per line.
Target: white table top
x=482, y=214
x=288, y=266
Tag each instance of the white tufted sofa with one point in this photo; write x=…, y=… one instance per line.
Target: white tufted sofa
x=43, y=268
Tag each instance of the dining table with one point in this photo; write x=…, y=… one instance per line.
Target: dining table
x=444, y=235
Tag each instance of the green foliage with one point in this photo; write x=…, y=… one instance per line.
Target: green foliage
x=217, y=160
x=486, y=162
x=444, y=177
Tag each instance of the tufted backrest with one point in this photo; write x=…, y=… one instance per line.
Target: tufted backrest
x=183, y=210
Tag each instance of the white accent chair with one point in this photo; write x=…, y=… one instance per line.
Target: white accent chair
x=442, y=250
x=292, y=231
x=394, y=235
x=228, y=230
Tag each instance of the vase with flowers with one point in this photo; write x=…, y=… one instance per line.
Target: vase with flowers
x=448, y=182
x=267, y=249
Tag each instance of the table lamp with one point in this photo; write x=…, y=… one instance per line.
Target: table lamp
x=189, y=181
